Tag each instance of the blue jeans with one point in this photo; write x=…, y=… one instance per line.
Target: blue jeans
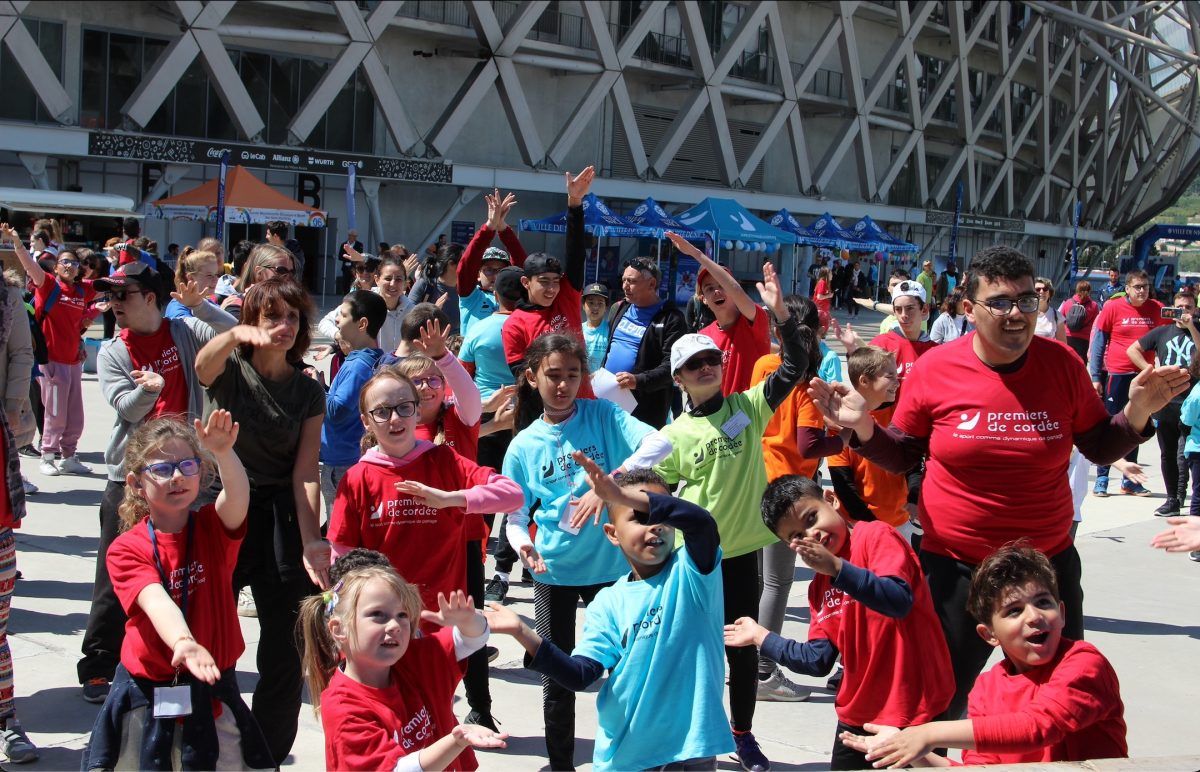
x=1116, y=395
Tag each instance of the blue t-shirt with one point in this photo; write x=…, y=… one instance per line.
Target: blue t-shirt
x=595, y=340
x=539, y=461
x=177, y=310
x=484, y=347
x=475, y=307
x=627, y=338
x=662, y=639
x=342, y=429
x=831, y=364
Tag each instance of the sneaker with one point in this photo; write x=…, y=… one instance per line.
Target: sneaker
x=777, y=688
x=835, y=681
x=481, y=719
x=1170, y=508
x=496, y=590
x=30, y=488
x=492, y=653
x=48, y=467
x=1194, y=556
x=95, y=690
x=526, y=577
x=1100, y=491
x=246, y=607
x=71, y=465
x=28, y=451
x=748, y=754
x=16, y=745
x=1135, y=489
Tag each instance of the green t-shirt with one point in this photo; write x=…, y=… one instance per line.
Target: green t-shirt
x=926, y=281
x=723, y=474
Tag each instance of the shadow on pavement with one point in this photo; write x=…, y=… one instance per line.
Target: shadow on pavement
x=53, y=588
x=25, y=622
x=77, y=546
x=75, y=498
x=1137, y=627
x=58, y=710
x=57, y=757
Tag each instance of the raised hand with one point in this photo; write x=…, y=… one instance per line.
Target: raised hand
x=150, y=381
x=187, y=653
x=578, y=185
x=683, y=245
x=840, y=404
x=603, y=485
x=251, y=335
x=1154, y=387
x=457, y=610
x=499, y=398
x=219, y=434
x=498, y=208
x=352, y=254
x=189, y=294
x=772, y=294
x=817, y=557
x=503, y=620
x=846, y=336
x=432, y=342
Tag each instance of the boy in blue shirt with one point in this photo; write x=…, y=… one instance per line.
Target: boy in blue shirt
x=657, y=630
x=359, y=319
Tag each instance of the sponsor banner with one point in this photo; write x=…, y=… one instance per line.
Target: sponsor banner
x=220, y=214
x=178, y=150
x=974, y=221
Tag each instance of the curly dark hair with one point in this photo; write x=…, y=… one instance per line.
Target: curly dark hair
x=997, y=262
x=1014, y=565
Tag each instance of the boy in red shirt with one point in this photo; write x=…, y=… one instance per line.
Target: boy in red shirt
x=869, y=602
x=907, y=340
x=1050, y=699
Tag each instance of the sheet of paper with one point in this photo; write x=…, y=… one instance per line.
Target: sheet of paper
x=604, y=384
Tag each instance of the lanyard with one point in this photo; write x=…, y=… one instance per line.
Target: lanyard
x=187, y=562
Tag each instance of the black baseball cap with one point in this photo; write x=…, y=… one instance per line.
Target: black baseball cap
x=542, y=263
x=508, y=283
x=128, y=275
x=596, y=289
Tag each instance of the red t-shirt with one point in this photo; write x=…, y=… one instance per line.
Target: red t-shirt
x=742, y=345
x=897, y=670
x=823, y=304
x=1124, y=324
x=211, y=613
x=884, y=493
x=563, y=315
x=1069, y=709
x=906, y=351
x=999, y=445
x=424, y=544
x=63, y=327
x=369, y=729
x=158, y=352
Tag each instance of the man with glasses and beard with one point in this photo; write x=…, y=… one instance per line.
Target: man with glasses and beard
x=1122, y=321
x=641, y=330
x=997, y=412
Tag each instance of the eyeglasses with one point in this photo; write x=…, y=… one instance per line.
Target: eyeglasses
x=120, y=295
x=280, y=270
x=165, y=470
x=1138, y=287
x=710, y=359
x=383, y=413
x=431, y=382
x=491, y=271
x=1026, y=304
x=69, y=263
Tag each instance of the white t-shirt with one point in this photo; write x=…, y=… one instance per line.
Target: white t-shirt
x=1047, y=323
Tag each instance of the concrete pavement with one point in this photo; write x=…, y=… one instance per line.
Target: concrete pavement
x=1141, y=612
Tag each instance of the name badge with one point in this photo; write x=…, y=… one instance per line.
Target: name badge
x=735, y=425
x=564, y=522
x=172, y=701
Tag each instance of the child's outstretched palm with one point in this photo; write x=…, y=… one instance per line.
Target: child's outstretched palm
x=432, y=342
x=197, y=660
x=457, y=610
x=219, y=434
x=479, y=736
x=502, y=620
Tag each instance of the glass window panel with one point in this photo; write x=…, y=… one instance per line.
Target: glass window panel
x=94, y=79
x=191, y=101
x=256, y=76
x=285, y=89
x=20, y=101
x=311, y=73
x=364, y=115
x=220, y=126
x=124, y=74
x=339, y=133
x=161, y=122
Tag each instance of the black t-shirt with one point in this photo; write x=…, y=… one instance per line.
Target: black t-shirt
x=1172, y=346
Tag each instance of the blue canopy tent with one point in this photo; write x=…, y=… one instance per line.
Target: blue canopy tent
x=598, y=220
x=870, y=237
x=784, y=220
x=828, y=228
x=650, y=214
x=732, y=226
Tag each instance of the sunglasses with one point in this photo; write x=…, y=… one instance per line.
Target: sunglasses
x=120, y=295
x=280, y=270
x=710, y=359
x=383, y=413
x=69, y=263
x=165, y=470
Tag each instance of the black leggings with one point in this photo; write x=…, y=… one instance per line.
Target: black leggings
x=740, y=579
x=475, y=680
x=1172, y=435
x=554, y=610
x=949, y=583
x=492, y=448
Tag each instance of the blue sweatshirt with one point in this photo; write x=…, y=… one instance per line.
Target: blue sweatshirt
x=342, y=430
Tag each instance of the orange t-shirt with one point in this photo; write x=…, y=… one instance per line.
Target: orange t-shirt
x=781, y=454
x=884, y=493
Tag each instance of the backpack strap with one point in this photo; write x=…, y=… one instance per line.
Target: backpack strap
x=50, y=301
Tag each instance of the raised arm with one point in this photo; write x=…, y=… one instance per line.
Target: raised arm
x=173, y=630
x=35, y=272
x=218, y=437
x=472, y=258
x=733, y=290
x=210, y=360
x=578, y=186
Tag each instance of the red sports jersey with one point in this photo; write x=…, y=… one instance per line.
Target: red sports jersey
x=906, y=351
x=563, y=315
x=1124, y=324
x=158, y=352
x=424, y=544
x=999, y=445
x=897, y=670
x=370, y=729
x=63, y=326
x=1069, y=709
x=211, y=613
x=742, y=345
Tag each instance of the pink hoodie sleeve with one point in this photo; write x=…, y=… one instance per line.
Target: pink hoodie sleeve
x=466, y=393
x=498, y=494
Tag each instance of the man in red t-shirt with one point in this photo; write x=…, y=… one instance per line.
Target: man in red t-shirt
x=997, y=414
x=146, y=371
x=1120, y=324
x=907, y=341
x=742, y=328
x=554, y=303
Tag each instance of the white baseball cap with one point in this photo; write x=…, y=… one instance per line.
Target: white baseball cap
x=689, y=346
x=910, y=288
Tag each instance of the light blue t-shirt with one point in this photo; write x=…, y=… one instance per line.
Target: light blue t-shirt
x=595, y=340
x=484, y=347
x=662, y=640
x=539, y=461
x=475, y=307
x=627, y=338
x=831, y=364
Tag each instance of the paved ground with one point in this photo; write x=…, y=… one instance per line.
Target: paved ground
x=1141, y=611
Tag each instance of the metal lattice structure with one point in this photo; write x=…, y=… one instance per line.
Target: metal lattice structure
x=1032, y=106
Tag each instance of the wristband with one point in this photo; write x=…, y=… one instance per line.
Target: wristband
x=181, y=639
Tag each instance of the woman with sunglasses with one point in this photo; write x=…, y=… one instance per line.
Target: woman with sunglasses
x=266, y=261
x=255, y=372
x=1050, y=323
x=60, y=301
x=717, y=450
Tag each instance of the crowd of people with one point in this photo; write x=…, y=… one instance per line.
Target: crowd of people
x=351, y=507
